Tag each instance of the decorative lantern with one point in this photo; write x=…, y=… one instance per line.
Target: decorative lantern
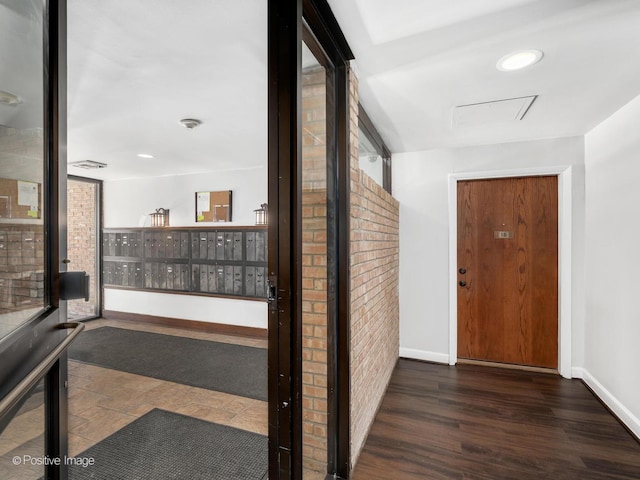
x=160, y=218
x=261, y=214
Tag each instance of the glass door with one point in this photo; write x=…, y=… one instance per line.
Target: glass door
x=33, y=331
x=83, y=242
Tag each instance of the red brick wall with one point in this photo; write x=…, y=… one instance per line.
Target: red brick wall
x=374, y=268
x=81, y=240
x=314, y=270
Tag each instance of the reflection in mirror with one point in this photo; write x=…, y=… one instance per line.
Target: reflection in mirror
x=21, y=163
x=22, y=441
x=314, y=264
x=369, y=159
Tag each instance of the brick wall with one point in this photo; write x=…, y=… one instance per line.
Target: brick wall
x=314, y=270
x=374, y=257
x=81, y=240
x=374, y=268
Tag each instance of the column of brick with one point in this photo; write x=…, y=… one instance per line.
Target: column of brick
x=81, y=239
x=314, y=269
x=374, y=270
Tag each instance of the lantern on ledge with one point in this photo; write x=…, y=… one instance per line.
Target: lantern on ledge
x=160, y=218
x=261, y=214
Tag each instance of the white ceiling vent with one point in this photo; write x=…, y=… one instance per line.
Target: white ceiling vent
x=498, y=111
x=89, y=164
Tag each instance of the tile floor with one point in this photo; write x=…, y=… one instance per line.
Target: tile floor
x=102, y=401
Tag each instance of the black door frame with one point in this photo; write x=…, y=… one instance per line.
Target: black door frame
x=38, y=348
x=285, y=25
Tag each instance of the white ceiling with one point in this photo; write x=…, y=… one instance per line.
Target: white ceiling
x=418, y=59
x=135, y=68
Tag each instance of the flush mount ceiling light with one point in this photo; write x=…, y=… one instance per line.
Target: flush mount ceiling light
x=190, y=122
x=8, y=98
x=144, y=155
x=88, y=164
x=519, y=60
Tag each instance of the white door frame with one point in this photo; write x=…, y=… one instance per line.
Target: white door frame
x=564, y=255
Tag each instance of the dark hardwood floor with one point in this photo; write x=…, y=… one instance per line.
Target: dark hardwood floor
x=475, y=422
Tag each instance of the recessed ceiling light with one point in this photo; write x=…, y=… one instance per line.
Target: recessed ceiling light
x=9, y=98
x=519, y=60
x=145, y=155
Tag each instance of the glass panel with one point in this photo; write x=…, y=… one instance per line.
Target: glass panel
x=21, y=163
x=369, y=160
x=82, y=242
x=314, y=261
x=22, y=451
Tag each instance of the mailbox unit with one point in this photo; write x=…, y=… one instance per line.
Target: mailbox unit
x=222, y=261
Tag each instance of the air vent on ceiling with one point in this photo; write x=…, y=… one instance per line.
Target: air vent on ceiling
x=89, y=164
x=507, y=110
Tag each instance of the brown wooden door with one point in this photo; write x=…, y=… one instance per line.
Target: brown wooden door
x=508, y=270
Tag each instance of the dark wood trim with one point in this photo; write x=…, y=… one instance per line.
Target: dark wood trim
x=340, y=344
x=284, y=239
x=55, y=142
x=325, y=30
x=323, y=24
x=208, y=327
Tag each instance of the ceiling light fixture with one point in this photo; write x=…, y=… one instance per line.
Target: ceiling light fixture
x=190, y=122
x=145, y=155
x=88, y=164
x=9, y=98
x=519, y=60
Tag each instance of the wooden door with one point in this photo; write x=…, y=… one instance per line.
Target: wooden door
x=508, y=270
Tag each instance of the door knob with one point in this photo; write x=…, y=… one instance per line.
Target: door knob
x=462, y=283
x=462, y=270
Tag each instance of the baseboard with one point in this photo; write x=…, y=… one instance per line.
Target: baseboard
x=626, y=417
x=424, y=355
x=209, y=327
x=577, y=372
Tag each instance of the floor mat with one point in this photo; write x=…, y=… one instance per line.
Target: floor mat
x=223, y=367
x=167, y=445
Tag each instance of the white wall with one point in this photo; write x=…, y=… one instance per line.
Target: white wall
x=420, y=183
x=226, y=311
x=127, y=203
x=612, y=352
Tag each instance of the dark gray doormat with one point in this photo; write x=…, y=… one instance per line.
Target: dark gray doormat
x=223, y=367
x=165, y=445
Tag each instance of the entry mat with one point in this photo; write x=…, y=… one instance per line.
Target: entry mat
x=223, y=367
x=167, y=445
